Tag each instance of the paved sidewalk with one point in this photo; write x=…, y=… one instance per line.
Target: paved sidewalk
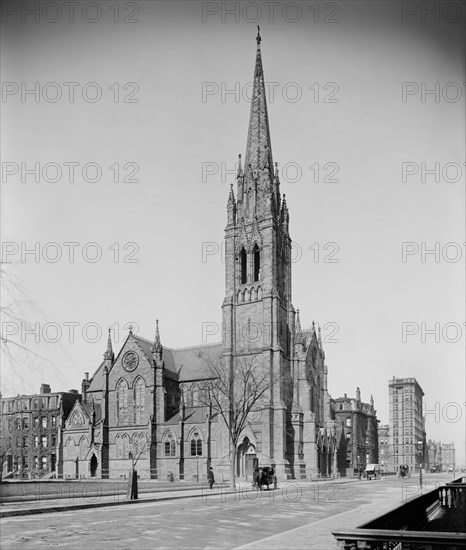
x=318, y=535
x=8, y=509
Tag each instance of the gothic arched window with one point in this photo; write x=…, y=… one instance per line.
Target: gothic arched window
x=70, y=448
x=257, y=262
x=195, y=394
x=139, y=399
x=196, y=443
x=118, y=446
x=244, y=266
x=83, y=447
x=169, y=444
x=122, y=402
x=125, y=446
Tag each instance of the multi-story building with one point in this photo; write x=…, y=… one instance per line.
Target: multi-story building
x=448, y=457
x=32, y=427
x=385, y=454
x=433, y=456
x=356, y=433
x=407, y=433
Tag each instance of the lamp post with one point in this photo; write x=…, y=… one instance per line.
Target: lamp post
x=421, y=449
x=197, y=467
x=359, y=468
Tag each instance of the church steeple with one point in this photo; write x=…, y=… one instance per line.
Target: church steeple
x=156, y=348
x=258, y=146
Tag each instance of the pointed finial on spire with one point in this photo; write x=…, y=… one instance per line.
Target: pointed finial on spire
x=157, y=347
x=319, y=339
x=258, y=37
x=240, y=168
x=109, y=351
x=276, y=169
x=313, y=326
x=299, y=332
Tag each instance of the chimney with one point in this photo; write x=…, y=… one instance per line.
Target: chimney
x=84, y=386
x=44, y=388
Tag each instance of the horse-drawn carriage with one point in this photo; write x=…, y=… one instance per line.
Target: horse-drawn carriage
x=264, y=476
x=404, y=471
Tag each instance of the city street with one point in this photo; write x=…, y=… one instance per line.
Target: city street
x=293, y=516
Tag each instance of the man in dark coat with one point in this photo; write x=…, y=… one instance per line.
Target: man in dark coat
x=210, y=477
x=255, y=477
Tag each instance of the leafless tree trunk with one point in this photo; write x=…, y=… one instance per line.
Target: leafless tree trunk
x=237, y=390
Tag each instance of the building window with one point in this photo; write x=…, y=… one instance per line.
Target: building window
x=37, y=422
x=348, y=422
x=25, y=423
x=122, y=402
x=18, y=423
x=244, y=266
x=44, y=441
x=44, y=422
x=36, y=462
x=196, y=444
x=195, y=394
x=257, y=262
x=25, y=442
x=170, y=444
x=54, y=421
x=44, y=463
x=139, y=399
x=54, y=440
x=83, y=447
x=36, y=441
x=70, y=448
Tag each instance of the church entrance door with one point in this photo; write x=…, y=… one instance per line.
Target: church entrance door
x=246, y=459
x=93, y=465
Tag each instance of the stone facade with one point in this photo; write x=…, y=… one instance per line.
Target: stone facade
x=357, y=433
x=152, y=394
x=406, y=422
x=147, y=406
x=385, y=453
x=32, y=432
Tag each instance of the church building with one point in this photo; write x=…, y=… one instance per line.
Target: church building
x=146, y=405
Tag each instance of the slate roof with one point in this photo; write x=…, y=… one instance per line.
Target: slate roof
x=195, y=415
x=183, y=364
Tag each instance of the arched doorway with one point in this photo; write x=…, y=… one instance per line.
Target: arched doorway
x=246, y=458
x=94, y=463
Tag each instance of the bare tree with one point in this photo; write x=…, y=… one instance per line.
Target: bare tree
x=237, y=390
x=137, y=450
x=16, y=310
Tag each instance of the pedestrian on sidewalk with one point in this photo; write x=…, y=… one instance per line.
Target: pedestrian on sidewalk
x=255, y=478
x=210, y=477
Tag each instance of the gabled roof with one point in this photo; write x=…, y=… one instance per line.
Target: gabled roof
x=182, y=364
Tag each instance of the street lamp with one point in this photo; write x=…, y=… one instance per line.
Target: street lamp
x=359, y=468
x=421, y=449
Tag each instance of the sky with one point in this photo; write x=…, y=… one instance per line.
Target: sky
x=133, y=115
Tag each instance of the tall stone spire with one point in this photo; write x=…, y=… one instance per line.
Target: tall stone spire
x=109, y=355
x=258, y=147
x=156, y=348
